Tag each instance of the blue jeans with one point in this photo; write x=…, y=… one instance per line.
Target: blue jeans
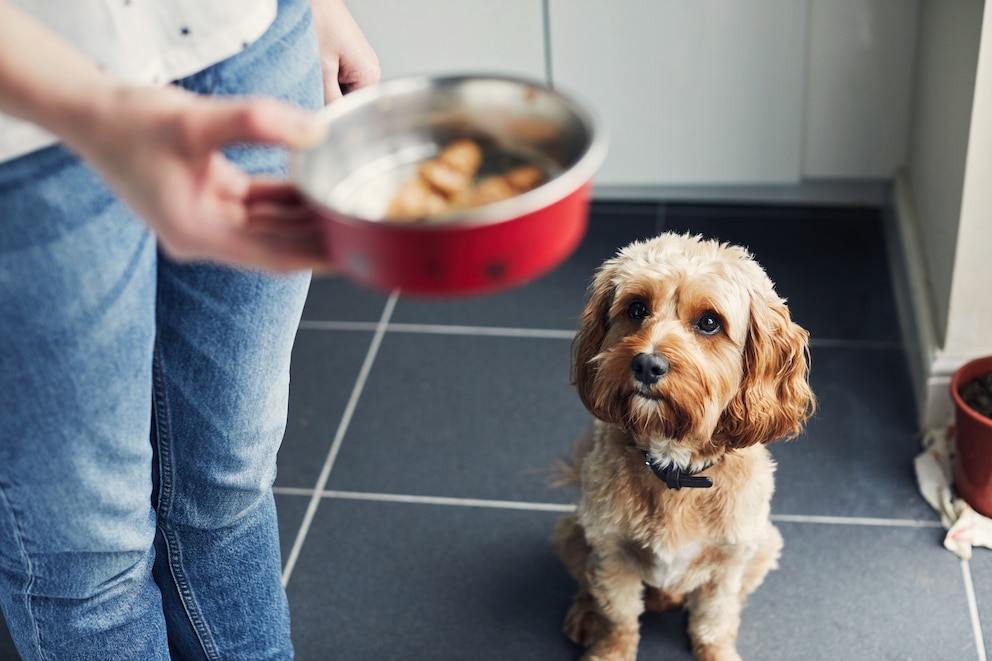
x=111, y=546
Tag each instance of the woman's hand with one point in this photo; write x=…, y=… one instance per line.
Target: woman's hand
x=159, y=150
x=347, y=59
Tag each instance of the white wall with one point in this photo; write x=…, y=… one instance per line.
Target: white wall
x=969, y=319
x=949, y=32
x=705, y=92
x=943, y=199
x=858, y=86
x=455, y=36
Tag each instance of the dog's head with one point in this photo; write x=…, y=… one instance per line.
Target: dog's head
x=685, y=339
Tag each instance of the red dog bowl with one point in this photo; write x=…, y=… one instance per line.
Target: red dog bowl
x=376, y=137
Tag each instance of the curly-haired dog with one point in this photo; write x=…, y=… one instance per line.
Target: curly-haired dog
x=691, y=364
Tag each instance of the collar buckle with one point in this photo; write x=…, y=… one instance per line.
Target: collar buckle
x=677, y=478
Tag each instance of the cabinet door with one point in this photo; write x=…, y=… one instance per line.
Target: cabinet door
x=859, y=85
x=694, y=92
x=455, y=36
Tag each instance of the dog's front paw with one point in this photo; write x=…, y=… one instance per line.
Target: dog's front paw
x=583, y=624
x=616, y=646
x=724, y=652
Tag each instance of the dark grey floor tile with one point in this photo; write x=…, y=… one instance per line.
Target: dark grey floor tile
x=981, y=579
x=325, y=367
x=553, y=301
x=830, y=263
x=291, y=509
x=462, y=416
x=856, y=457
x=859, y=593
x=386, y=581
x=334, y=298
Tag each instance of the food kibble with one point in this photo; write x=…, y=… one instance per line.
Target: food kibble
x=447, y=184
x=503, y=187
x=977, y=394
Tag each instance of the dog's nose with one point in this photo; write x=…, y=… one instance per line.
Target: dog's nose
x=649, y=367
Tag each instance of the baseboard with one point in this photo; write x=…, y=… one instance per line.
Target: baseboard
x=930, y=368
x=811, y=192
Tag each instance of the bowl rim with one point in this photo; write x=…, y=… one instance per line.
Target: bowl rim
x=564, y=184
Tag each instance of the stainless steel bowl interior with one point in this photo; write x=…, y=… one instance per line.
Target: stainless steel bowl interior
x=377, y=135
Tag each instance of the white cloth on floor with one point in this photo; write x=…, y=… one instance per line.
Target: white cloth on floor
x=966, y=528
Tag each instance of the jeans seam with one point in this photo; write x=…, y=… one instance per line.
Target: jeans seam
x=29, y=569
x=163, y=508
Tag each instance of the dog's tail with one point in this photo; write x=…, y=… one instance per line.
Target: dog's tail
x=568, y=473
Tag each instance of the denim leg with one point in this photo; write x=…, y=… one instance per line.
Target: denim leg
x=77, y=292
x=221, y=384
x=221, y=393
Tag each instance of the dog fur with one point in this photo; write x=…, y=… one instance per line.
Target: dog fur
x=733, y=377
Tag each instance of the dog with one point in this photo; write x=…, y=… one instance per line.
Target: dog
x=690, y=364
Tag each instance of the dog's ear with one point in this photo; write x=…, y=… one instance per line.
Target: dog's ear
x=774, y=400
x=592, y=329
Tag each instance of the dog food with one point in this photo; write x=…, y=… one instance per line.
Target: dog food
x=448, y=183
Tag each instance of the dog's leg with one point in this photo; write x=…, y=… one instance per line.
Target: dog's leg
x=765, y=559
x=715, y=608
x=583, y=623
x=618, y=594
x=714, y=618
x=570, y=544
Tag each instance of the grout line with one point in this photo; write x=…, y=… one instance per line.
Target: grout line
x=349, y=410
x=546, y=29
x=482, y=330
x=441, y=329
x=428, y=500
x=976, y=623
x=855, y=521
x=339, y=325
x=550, y=334
x=455, y=502
x=660, y=217
x=560, y=507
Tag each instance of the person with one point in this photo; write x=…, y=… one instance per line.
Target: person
x=153, y=268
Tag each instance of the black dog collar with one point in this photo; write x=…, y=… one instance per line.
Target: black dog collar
x=675, y=477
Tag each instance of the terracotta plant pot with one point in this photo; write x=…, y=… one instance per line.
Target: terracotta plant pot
x=973, y=432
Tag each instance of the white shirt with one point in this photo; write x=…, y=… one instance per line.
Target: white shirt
x=142, y=41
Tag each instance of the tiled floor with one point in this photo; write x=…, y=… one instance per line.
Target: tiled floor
x=414, y=510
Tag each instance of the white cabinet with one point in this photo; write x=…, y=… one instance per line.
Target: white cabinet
x=697, y=93
x=455, y=36
x=694, y=92
x=858, y=87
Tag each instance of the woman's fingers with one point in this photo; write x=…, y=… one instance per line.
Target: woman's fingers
x=223, y=122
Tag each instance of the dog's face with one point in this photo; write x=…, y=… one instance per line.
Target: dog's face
x=685, y=339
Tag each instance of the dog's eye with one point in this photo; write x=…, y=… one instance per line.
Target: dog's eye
x=708, y=324
x=638, y=310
